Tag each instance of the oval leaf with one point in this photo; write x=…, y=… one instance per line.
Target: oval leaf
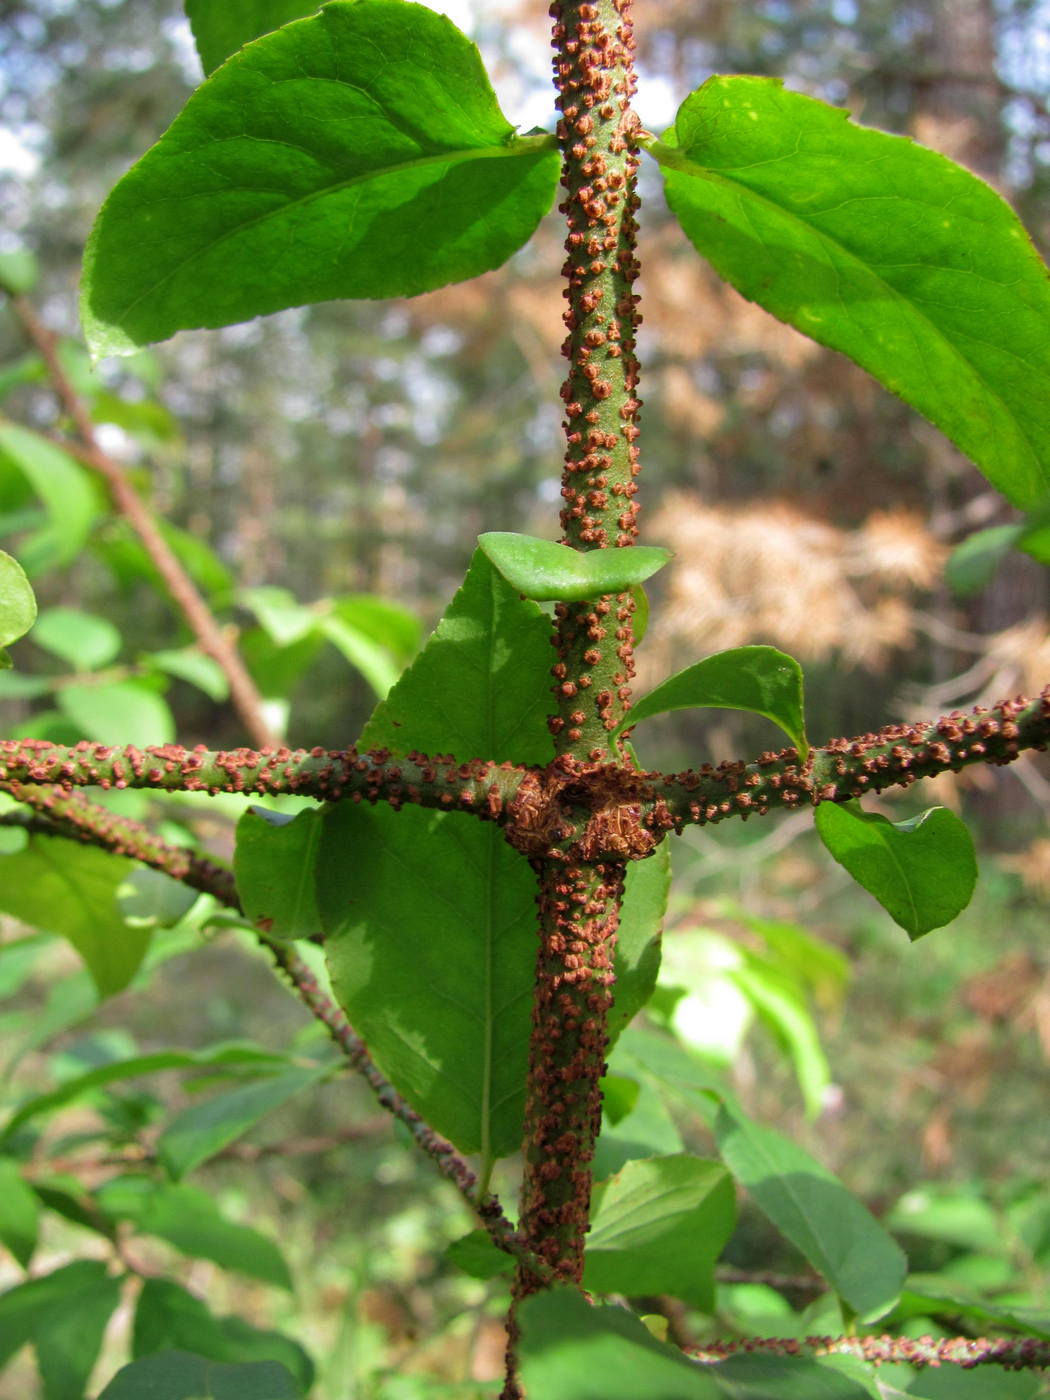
x=922, y=871
x=178, y=1375
x=761, y=680
x=552, y=572
x=84, y=640
x=274, y=866
x=357, y=153
x=17, y=603
x=810, y=1207
x=879, y=248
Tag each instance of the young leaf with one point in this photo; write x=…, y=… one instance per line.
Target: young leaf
x=922, y=870
x=190, y=1220
x=552, y=572
x=357, y=153
x=178, y=1375
x=19, y=1212
x=761, y=680
x=879, y=248
x=219, y=30
x=837, y=1234
x=169, y=1318
x=274, y=866
x=199, y=1131
x=64, y=1315
x=17, y=605
x=658, y=1226
x=72, y=890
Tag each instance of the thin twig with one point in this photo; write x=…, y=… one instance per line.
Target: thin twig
x=1012, y=1353
x=243, y=692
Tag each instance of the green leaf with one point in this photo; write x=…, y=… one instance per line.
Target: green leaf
x=658, y=1226
x=199, y=1131
x=392, y=626
x=84, y=640
x=431, y=916
x=572, y=1351
x=784, y=1010
x=64, y=1314
x=169, y=1318
x=177, y=1375
x=637, y=964
x=192, y=666
x=836, y=1233
x=922, y=871
x=973, y=563
x=876, y=247
x=274, y=866
x=150, y=899
x=761, y=680
x=220, y=30
x=190, y=1220
x=71, y=890
x=358, y=153
x=18, y=271
x=68, y=494
x=19, y=1212
x=118, y=712
x=17, y=604
x=371, y=659
x=477, y=1256
x=552, y=572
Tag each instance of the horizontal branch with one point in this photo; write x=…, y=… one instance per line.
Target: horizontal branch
x=327, y=775
x=895, y=756
x=1013, y=1353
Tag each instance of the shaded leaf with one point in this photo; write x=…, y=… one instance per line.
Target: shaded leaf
x=372, y=660
x=274, y=866
x=836, y=1233
x=658, y=1226
x=19, y=1212
x=83, y=639
x=477, y=1256
x=552, y=572
x=879, y=248
x=922, y=870
x=71, y=890
x=190, y=1220
x=64, y=487
x=760, y=680
x=150, y=899
x=64, y=1315
x=177, y=1375
x=358, y=153
x=220, y=30
x=199, y=1131
x=637, y=964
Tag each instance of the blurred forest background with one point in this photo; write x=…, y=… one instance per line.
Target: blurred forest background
x=359, y=448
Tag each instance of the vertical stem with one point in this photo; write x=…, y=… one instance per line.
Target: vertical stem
x=579, y=902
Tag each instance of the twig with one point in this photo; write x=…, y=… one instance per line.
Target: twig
x=1012, y=1353
x=243, y=692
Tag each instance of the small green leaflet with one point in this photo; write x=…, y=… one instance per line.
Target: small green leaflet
x=17, y=605
x=758, y=679
x=551, y=572
x=879, y=248
x=360, y=152
x=922, y=870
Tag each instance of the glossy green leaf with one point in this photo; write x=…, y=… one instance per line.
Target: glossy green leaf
x=552, y=572
x=19, y=1212
x=189, y=1219
x=169, y=1318
x=274, y=866
x=82, y=639
x=658, y=1226
x=72, y=890
x=358, y=153
x=760, y=680
x=67, y=492
x=220, y=30
x=837, y=1234
x=572, y=1351
x=118, y=712
x=202, y=1129
x=879, y=248
x=17, y=603
x=177, y=1375
x=64, y=1315
x=922, y=870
